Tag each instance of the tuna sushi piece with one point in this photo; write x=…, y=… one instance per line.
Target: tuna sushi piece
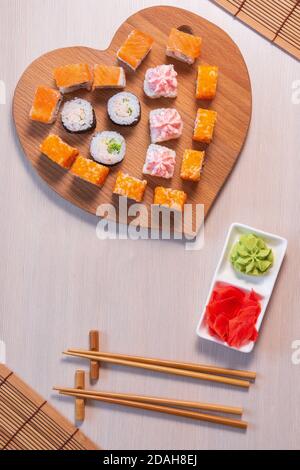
x=124, y=109
x=58, y=151
x=108, y=76
x=171, y=198
x=192, y=164
x=161, y=81
x=89, y=171
x=130, y=187
x=183, y=46
x=160, y=161
x=135, y=48
x=165, y=124
x=72, y=77
x=204, y=125
x=45, y=105
x=206, y=85
x=108, y=148
x=78, y=116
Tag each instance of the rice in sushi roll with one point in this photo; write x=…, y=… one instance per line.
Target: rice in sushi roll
x=78, y=116
x=108, y=148
x=124, y=109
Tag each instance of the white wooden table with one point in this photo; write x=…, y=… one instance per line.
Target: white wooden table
x=146, y=296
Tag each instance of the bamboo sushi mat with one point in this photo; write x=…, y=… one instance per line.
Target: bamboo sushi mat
x=277, y=20
x=28, y=422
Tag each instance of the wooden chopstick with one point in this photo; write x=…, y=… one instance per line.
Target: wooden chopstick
x=168, y=410
x=168, y=370
x=156, y=400
x=209, y=369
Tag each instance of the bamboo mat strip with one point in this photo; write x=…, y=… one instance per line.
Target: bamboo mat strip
x=28, y=422
x=276, y=20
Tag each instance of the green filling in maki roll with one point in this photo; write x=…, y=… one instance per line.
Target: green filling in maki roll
x=108, y=148
x=124, y=109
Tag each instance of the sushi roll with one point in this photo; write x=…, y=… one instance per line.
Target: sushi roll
x=124, y=109
x=161, y=82
x=183, y=46
x=72, y=77
x=206, y=85
x=191, y=165
x=204, y=125
x=78, y=116
x=108, y=148
x=108, y=76
x=59, y=151
x=160, y=161
x=130, y=187
x=165, y=124
x=45, y=105
x=89, y=171
x=135, y=49
x=170, y=198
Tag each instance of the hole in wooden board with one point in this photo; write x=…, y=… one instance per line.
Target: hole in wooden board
x=185, y=29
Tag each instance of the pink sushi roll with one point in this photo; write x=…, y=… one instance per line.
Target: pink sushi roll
x=165, y=124
x=160, y=161
x=161, y=82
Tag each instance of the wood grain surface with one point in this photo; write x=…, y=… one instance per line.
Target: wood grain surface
x=58, y=280
x=232, y=103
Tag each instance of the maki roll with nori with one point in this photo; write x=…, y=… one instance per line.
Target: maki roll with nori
x=78, y=116
x=108, y=148
x=124, y=109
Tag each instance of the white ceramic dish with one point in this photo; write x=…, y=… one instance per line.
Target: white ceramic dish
x=263, y=285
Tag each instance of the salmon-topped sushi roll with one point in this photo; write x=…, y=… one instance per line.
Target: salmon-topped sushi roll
x=58, y=151
x=135, y=48
x=45, y=105
x=207, y=79
x=72, y=77
x=183, y=46
x=108, y=76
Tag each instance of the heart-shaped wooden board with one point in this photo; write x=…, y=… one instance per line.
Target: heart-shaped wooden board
x=232, y=103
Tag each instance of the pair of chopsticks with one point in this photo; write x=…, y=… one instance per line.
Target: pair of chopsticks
x=238, y=378
x=162, y=405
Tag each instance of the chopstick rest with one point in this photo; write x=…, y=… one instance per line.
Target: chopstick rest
x=94, y=347
x=79, y=402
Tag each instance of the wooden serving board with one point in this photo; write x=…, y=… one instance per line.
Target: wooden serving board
x=28, y=422
x=232, y=103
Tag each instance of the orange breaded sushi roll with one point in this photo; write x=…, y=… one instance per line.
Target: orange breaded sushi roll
x=135, y=48
x=45, y=105
x=58, y=151
x=89, y=170
x=130, y=187
x=191, y=165
x=108, y=76
x=171, y=198
x=207, y=79
x=204, y=125
x=72, y=77
x=183, y=46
